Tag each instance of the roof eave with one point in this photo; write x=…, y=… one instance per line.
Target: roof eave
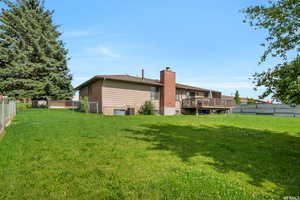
x=84, y=84
x=87, y=82
x=106, y=78
x=197, y=89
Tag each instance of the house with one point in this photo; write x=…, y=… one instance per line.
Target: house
x=256, y=101
x=117, y=94
x=246, y=100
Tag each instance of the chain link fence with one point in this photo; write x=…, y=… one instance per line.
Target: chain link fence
x=89, y=107
x=83, y=106
x=8, y=111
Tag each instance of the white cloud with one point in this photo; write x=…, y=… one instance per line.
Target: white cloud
x=102, y=51
x=232, y=85
x=220, y=82
x=223, y=85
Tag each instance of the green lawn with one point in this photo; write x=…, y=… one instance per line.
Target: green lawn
x=56, y=154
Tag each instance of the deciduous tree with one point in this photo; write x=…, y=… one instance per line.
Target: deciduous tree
x=281, y=18
x=282, y=82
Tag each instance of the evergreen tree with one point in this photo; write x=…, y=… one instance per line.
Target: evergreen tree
x=237, y=97
x=33, y=60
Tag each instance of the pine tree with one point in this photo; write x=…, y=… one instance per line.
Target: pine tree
x=237, y=97
x=33, y=60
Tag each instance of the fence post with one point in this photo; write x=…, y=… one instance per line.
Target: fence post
x=15, y=107
x=97, y=104
x=3, y=115
x=9, y=110
x=294, y=112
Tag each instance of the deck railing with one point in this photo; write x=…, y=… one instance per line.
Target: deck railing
x=203, y=102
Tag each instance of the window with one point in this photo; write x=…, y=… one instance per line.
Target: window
x=154, y=93
x=191, y=95
x=206, y=94
x=178, y=95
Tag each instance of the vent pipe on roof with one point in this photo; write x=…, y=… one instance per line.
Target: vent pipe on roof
x=143, y=74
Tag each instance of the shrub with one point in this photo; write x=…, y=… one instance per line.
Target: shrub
x=148, y=108
x=251, y=101
x=84, y=105
x=23, y=106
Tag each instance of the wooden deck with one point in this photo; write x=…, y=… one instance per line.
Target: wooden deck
x=208, y=103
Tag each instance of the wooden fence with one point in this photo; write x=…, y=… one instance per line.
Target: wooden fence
x=281, y=110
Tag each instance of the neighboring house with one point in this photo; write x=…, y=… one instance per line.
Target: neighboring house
x=246, y=100
x=257, y=101
x=119, y=93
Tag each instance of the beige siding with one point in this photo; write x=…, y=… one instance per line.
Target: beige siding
x=122, y=95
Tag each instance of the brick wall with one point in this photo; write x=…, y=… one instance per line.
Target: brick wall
x=168, y=92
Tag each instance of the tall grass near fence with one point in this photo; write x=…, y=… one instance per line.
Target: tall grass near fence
x=7, y=112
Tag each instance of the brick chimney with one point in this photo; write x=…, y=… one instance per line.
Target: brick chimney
x=168, y=92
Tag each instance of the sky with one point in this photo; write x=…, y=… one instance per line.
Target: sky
x=205, y=42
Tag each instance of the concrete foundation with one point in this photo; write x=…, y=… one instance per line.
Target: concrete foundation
x=168, y=111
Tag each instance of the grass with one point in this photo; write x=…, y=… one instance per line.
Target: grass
x=56, y=154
